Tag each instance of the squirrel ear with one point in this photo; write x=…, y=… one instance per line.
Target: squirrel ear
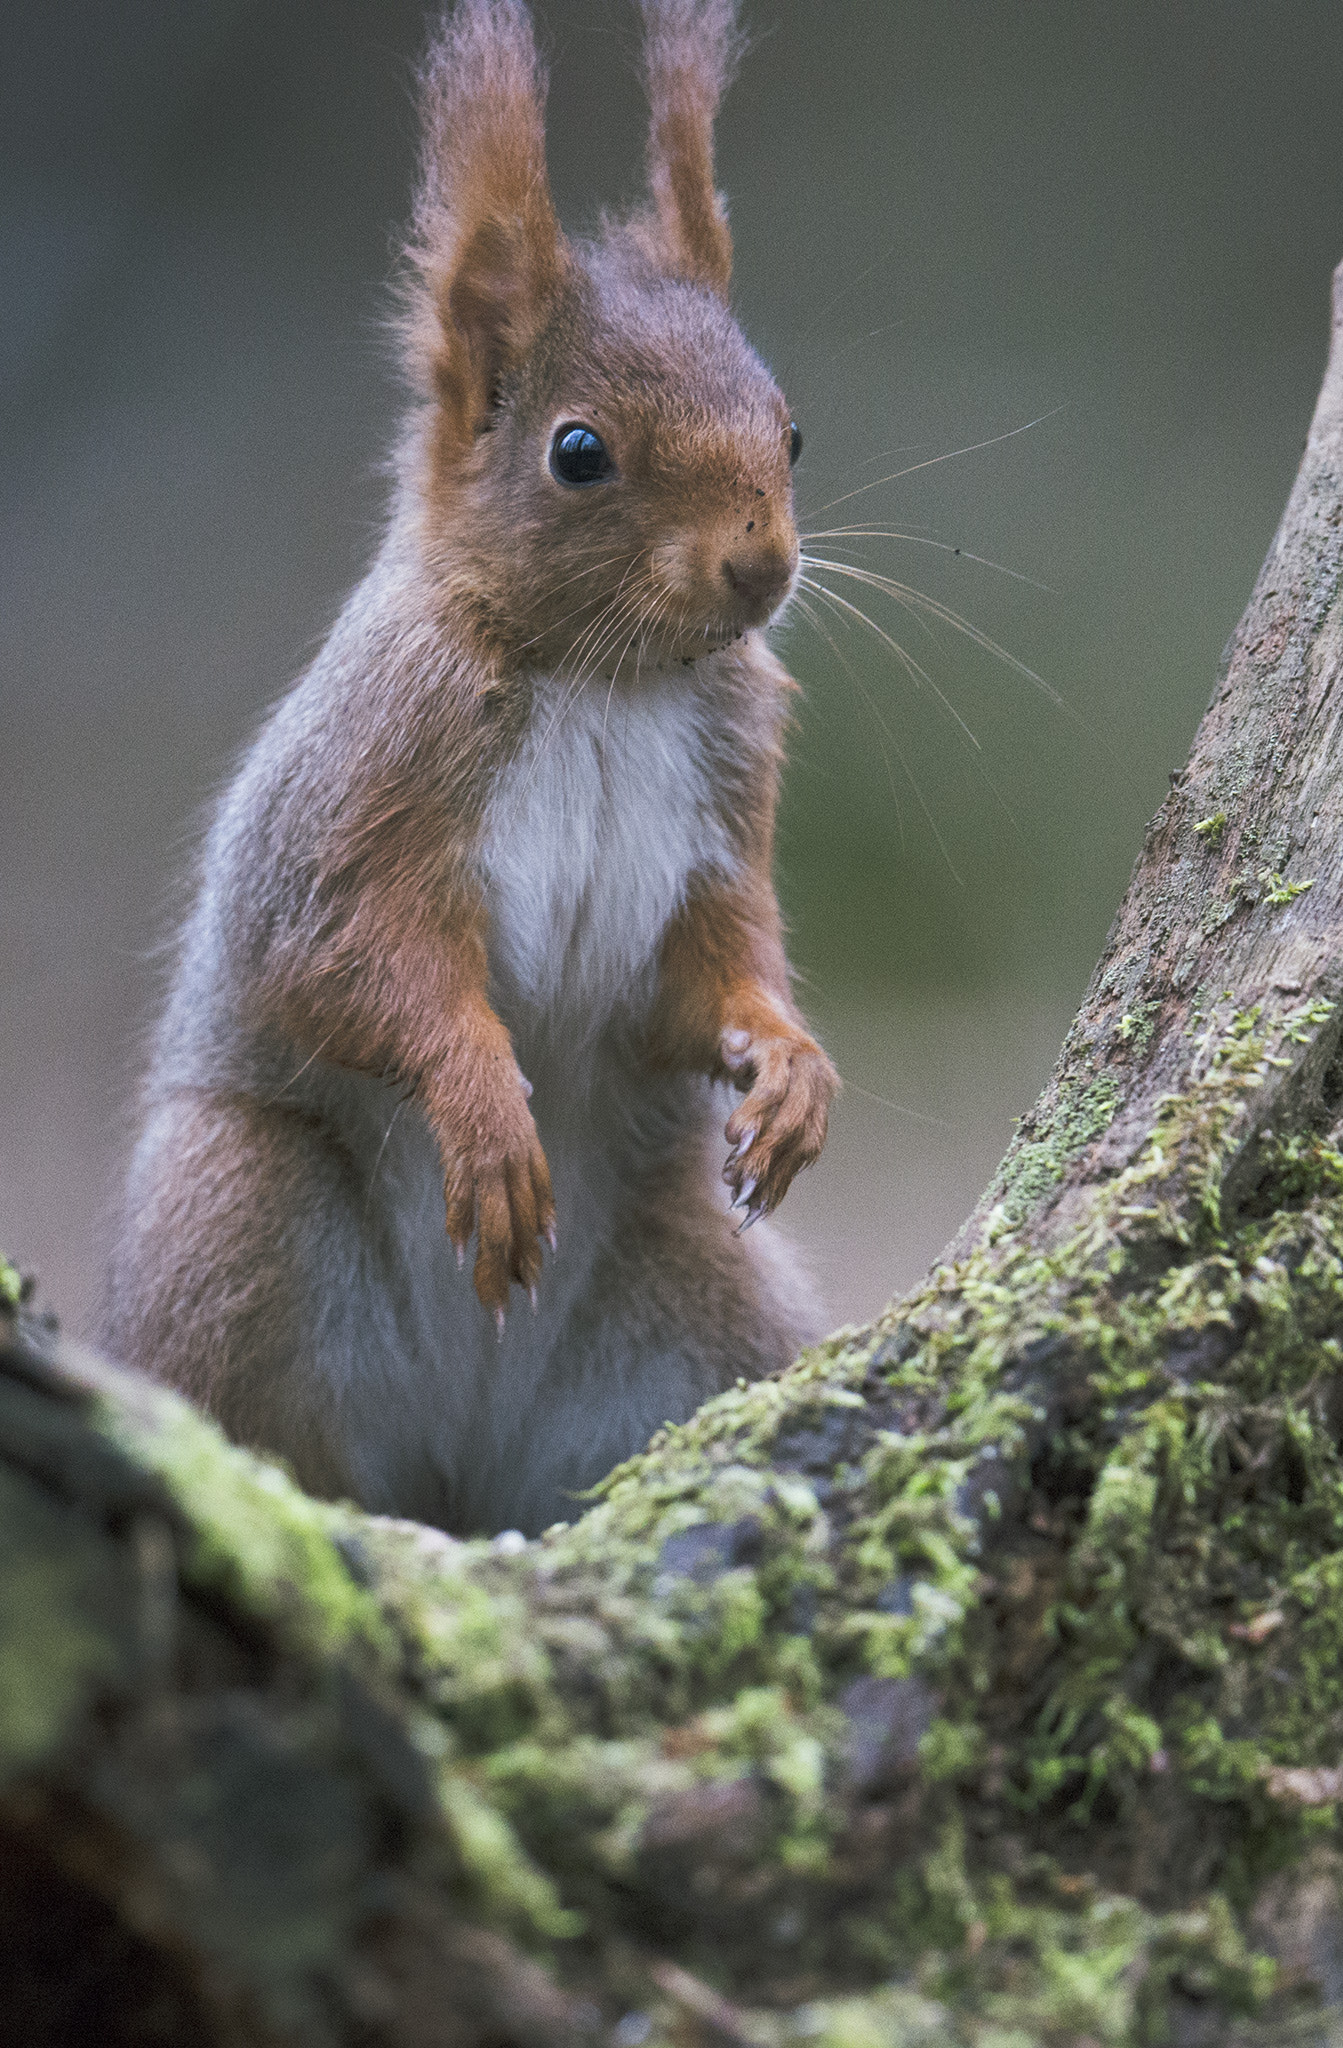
x=487, y=248
x=691, y=48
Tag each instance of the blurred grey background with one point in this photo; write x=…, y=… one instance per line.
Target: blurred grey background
x=1116, y=222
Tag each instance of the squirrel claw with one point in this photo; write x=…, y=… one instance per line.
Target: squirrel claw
x=531, y=1296
x=753, y=1215
x=738, y=1153
x=744, y=1194
x=551, y=1239
x=499, y=1320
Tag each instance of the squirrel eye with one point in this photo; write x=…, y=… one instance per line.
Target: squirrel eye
x=794, y=441
x=578, y=456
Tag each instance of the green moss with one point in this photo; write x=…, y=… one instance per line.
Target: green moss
x=60, y=1605
x=1046, y=1959
x=1212, y=828
x=1277, y=891
x=1206, y=1494
x=254, y=1535
x=11, y=1284
x=1035, y=1166
x=1052, y=1959
x=1202, y=1496
x=1041, y=1963
x=506, y=1881
x=1136, y=1026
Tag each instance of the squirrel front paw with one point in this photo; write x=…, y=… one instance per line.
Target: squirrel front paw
x=501, y=1188
x=780, y=1126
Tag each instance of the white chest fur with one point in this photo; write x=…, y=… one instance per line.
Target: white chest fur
x=590, y=838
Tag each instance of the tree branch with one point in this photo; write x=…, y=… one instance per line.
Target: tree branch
x=984, y=1669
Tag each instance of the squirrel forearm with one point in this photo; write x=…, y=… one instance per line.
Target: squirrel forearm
x=379, y=990
x=393, y=994
x=398, y=988
x=722, y=969
x=725, y=1009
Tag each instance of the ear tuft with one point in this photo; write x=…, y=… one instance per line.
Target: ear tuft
x=487, y=252
x=691, y=49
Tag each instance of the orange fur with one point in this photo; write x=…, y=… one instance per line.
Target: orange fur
x=487, y=244
x=690, y=52
x=725, y=1008
x=402, y=995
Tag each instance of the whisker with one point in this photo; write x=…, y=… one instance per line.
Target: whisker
x=299, y=1072
x=593, y=636
x=594, y=625
x=847, y=348
x=641, y=616
x=575, y=687
x=833, y=304
x=988, y=780
x=915, y=670
x=641, y=624
x=918, y=1116
x=930, y=462
x=592, y=649
x=631, y=609
x=885, y=454
x=591, y=570
x=573, y=690
x=615, y=625
x=918, y=600
x=954, y=871
x=368, y=1197
x=810, y=613
x=606, y=711
x=647, y=620
x=820, y=562
x=924, y=540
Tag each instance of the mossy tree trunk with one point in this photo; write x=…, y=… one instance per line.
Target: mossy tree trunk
x=980, y=1681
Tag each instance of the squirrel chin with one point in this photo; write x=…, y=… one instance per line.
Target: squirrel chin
x=718, y=647
x=669, y=663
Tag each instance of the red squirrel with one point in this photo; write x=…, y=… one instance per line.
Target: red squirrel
x=485, y=921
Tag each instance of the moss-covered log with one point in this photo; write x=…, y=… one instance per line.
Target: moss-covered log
x=980, y=1681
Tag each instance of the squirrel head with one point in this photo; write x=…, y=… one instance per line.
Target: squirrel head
x=603, y=482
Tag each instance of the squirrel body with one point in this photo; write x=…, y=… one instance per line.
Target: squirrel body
x=485, y=929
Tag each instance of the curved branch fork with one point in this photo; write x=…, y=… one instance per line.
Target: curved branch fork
x=1236, y=900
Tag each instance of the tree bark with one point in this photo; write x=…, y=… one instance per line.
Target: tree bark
x=981, y=1680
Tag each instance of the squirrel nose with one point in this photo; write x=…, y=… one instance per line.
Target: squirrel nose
x=758, y=581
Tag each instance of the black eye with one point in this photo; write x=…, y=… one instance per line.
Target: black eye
x=578, y=456
x=794, y=440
